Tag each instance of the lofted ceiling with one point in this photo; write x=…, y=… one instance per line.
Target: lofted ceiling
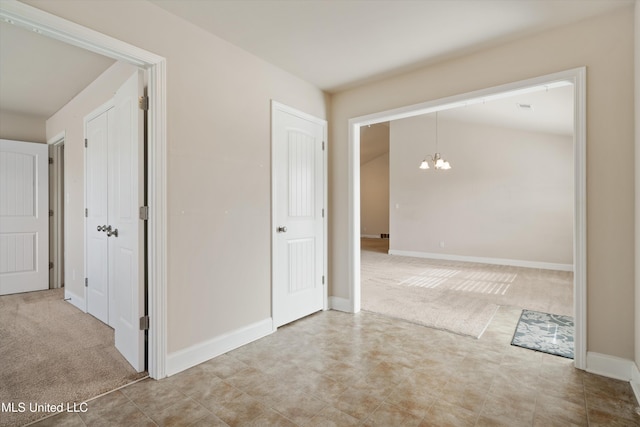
x=546, y=111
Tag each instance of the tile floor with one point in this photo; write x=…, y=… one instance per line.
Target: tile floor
x=338, y=369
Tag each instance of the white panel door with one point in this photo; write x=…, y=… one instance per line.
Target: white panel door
x=99, y=134
x=126, y=248
x=24, y=217
x=298, y=197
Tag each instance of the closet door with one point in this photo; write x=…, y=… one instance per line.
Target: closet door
x=115, y=232
x=126, y=248
x=99, y=138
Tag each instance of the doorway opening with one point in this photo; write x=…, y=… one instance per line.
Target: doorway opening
x=56, y=212
x=57, y=28
x=576, y=77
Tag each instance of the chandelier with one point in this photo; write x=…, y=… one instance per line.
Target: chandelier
x=436, y=160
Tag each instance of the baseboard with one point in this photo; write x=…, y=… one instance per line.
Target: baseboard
x=635, y=382
x=196, y=354
x=75, y=300
x=340, y=304
x=370, y=236
x=484, y=260
x=610, y=366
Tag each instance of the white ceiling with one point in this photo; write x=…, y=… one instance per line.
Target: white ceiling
x=551, y=112
x=333, y=44
x=39, y=75
x=339, y=44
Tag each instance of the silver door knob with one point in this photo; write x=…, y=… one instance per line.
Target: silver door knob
x=282, y=229
x=112, y=232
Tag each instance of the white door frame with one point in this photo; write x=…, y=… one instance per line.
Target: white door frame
x=577, y=76
x=274, y=220
x=58, y=28
x=56, y=203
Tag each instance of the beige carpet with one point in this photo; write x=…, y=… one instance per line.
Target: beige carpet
x=459, y=297
x=51, y=352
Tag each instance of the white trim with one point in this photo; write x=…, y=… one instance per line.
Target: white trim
x=57, y=139
x=484, y=260
x=275, y=105
x=191, y=356
x=577, y=76
x=610, y=366
x=60, y=29
x=57, y=204
x=371, y=236
x=75, y=300
x=340, y=304
x=635, y=381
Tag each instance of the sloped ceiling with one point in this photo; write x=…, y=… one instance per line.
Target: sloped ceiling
x=333, y=44
x=39, y=75
x=342, y=43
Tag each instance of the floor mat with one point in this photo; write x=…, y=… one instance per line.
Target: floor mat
x=548, y=333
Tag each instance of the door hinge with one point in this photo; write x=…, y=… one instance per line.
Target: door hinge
x=322, y=212
x=322, y=145
x=86, y=282
x=144, y=213
x=86, y=142
x=50, y=160
x=50, y=213
x=144, y=323
x=50, y=265
x=86, y=213
x=323, y=280
x=143, y=103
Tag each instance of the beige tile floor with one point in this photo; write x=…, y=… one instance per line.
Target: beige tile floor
x=339, y=369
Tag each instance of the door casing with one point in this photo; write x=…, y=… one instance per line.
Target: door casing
x=577, y=77
x=56, y=204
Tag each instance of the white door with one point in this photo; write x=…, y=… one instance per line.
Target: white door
x=99, y=135
x=126, y=243
x=24, y=217
x=115, y=234
x=298, y=214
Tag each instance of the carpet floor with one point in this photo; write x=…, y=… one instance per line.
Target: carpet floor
x=53, y=353
x=459, y=297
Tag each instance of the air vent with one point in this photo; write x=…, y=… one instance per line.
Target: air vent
x=525, y=107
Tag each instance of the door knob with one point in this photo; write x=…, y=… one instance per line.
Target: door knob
x=112, y=232
x=282, y=229
x=100, y=228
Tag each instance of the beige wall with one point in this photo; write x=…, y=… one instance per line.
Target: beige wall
x=374, y=196
x=637, y=181
x=374, y=180
x=22, y=127
x=509, y=194
x=605, y=46
x=70, y=119
x=218, y=112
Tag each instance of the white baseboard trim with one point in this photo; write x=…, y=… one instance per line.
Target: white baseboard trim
x=340, y=304
x=371, y=236
x=75, y=300
x=610, y=366
x=635, y=382
x=196, y=354
x=483, y=260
